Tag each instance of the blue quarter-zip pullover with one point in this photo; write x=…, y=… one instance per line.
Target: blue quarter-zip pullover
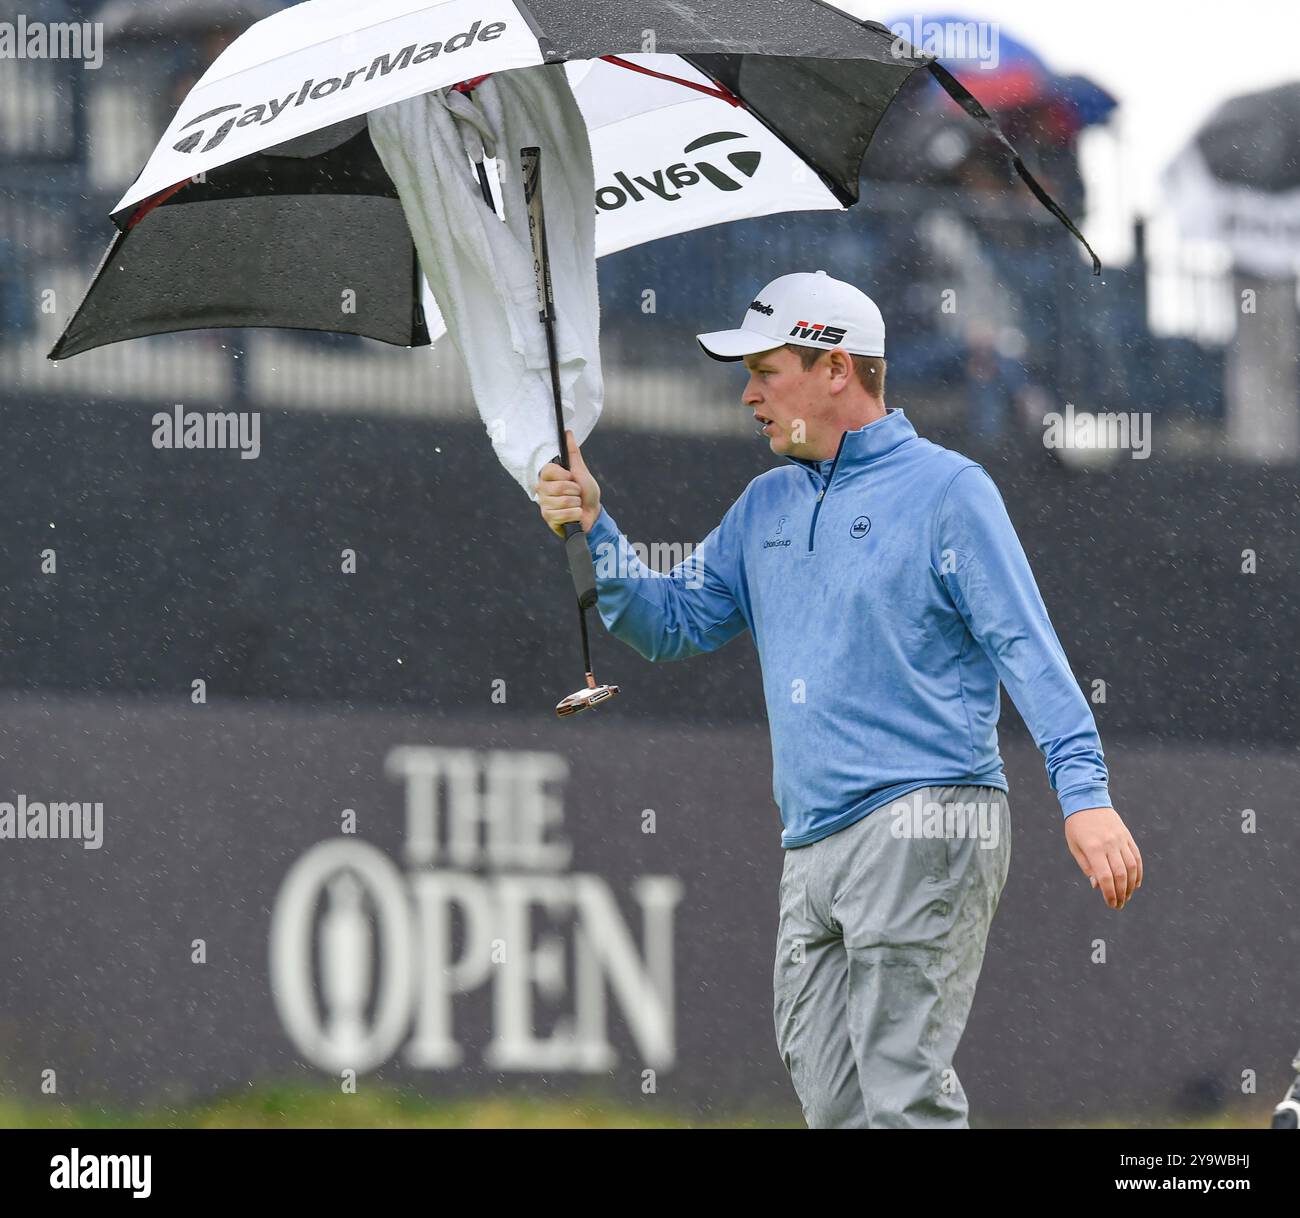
x=888, y=595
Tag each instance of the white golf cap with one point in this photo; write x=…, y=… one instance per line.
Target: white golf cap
x=808, y=310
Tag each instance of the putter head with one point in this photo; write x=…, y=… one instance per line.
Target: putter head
x=593, y=695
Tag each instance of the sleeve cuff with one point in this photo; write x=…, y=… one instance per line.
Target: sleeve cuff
x=1085, y=797
x=603, y=530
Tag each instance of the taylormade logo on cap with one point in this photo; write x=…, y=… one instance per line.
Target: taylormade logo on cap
x=808, y=310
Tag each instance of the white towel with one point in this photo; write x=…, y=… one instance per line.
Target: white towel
x=480, y=270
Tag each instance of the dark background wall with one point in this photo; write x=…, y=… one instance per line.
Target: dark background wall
x=174, y=565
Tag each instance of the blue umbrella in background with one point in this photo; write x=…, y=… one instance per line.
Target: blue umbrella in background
x=1008, y=74
x=924, y=138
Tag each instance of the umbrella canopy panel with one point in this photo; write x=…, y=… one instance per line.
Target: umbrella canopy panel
x=828, y=109
x=310, y=242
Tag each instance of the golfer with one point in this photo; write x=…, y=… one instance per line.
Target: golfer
x=888, y=596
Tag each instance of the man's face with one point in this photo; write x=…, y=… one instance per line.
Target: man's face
x=788, y=400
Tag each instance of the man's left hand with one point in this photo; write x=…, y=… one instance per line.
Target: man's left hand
x=1106, y=853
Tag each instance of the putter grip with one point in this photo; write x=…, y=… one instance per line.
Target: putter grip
x=580, y=564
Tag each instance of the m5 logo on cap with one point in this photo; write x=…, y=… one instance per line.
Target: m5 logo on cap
x=819, y=332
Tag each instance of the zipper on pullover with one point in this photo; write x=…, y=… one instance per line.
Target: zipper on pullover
x=812, y=528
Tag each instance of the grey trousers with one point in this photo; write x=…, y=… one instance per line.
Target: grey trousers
x=882, y=934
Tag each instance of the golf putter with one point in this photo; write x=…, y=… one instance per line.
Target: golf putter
x=575, y=541
x=594, y=694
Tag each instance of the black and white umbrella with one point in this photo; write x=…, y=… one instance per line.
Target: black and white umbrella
x=1238, y=181
x=265, y=195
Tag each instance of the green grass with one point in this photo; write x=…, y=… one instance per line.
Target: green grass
x=1256, y=1115
x=290, y=1107
x=379, y=1108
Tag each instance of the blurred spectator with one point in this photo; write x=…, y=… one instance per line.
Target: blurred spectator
x=15, y=308
x=994, y=384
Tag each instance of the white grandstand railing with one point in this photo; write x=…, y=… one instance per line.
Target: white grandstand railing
x=1192, y=291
